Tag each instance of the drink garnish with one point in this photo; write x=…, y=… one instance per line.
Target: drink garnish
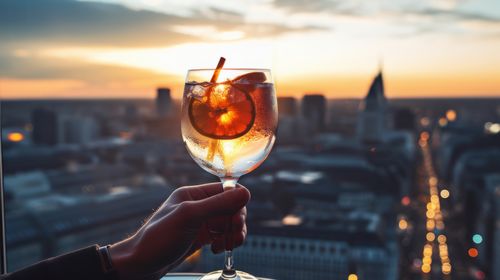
x=220, y=64
x=252, y=77
x=227, y=112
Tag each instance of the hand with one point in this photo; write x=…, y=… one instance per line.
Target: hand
x=190, y=218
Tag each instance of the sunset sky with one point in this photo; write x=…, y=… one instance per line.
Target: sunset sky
x=114, y=49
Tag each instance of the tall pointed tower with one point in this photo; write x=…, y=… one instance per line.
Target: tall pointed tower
x=372, y=113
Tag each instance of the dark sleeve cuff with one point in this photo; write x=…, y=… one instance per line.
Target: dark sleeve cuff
x=81, y=264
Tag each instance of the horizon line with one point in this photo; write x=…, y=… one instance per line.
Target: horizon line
x=175, y=98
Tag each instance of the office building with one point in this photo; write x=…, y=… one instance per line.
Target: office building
x=45, y=127
x=287, y=106
x=372, y=113
x=300, y=253
x=314, y=112
x=163, y=101
x=77, y=129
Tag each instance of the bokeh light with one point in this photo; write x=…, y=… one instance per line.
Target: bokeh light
x=451, y=115
x=473, y=253
x=430, y=236
x=405, y=201
x=445, y=193
x=477, y=238
x=352, y=276
x=15, y=137
x=403, y=224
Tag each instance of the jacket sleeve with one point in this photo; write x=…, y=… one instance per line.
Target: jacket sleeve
x=77, y=265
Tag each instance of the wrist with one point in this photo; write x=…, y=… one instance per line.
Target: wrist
x=122, y=257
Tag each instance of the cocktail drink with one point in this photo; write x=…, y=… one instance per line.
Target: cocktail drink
x=229, y=120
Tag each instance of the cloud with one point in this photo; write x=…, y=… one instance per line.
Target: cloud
x=27, y=28
x=337, y=7
x=458, y=15
x=307, y=5
x=408, y=18
x=230, y=21
x=65, y=22
x=438, y=9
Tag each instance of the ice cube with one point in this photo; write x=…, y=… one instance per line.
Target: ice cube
x=199, y=90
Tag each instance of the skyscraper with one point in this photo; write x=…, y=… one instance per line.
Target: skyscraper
x=287, y=106
x=45, y=127
x=372, y=113
x=313, y=110
x=163, y=101
x=75, y=129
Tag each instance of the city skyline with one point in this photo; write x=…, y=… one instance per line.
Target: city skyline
x=125, y=49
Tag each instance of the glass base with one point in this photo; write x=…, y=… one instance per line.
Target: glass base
x=217, y=275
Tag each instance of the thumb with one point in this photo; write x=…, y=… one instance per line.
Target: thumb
x=224, y=203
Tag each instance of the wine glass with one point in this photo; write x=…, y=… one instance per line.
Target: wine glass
x=229, y=120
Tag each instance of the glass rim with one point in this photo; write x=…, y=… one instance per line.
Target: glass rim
x=231, y=69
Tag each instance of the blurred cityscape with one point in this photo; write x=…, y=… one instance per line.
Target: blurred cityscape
x=354, y=189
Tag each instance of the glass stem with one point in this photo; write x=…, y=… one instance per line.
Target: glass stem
x=228, y=183
x=228, y=272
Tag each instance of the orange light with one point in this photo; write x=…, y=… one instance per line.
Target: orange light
x=427, y=253
x=433, y=180
x=426, y=268
x=473, y=252
x=352, y=276
x=424, y=135
x=430, y=214
x=451, y=115
x=403, y=224
x=430, y=224
x=443, y=122
x=446, y=268
x=194, y=257
x=430, y=236
x=15, y=137
x=441, y=238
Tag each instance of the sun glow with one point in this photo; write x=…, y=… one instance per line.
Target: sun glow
x=308, y=52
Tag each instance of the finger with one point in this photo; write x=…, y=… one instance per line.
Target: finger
x=243, y=212
x=224, y=203
x=206, y=190
x=238, y=221
x=238, y=239
x=216, y=227
x=202, y=191
x=217, y=224
x=218, y=245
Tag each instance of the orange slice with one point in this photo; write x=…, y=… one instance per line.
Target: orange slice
x=250, y=78
x=225, y=112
